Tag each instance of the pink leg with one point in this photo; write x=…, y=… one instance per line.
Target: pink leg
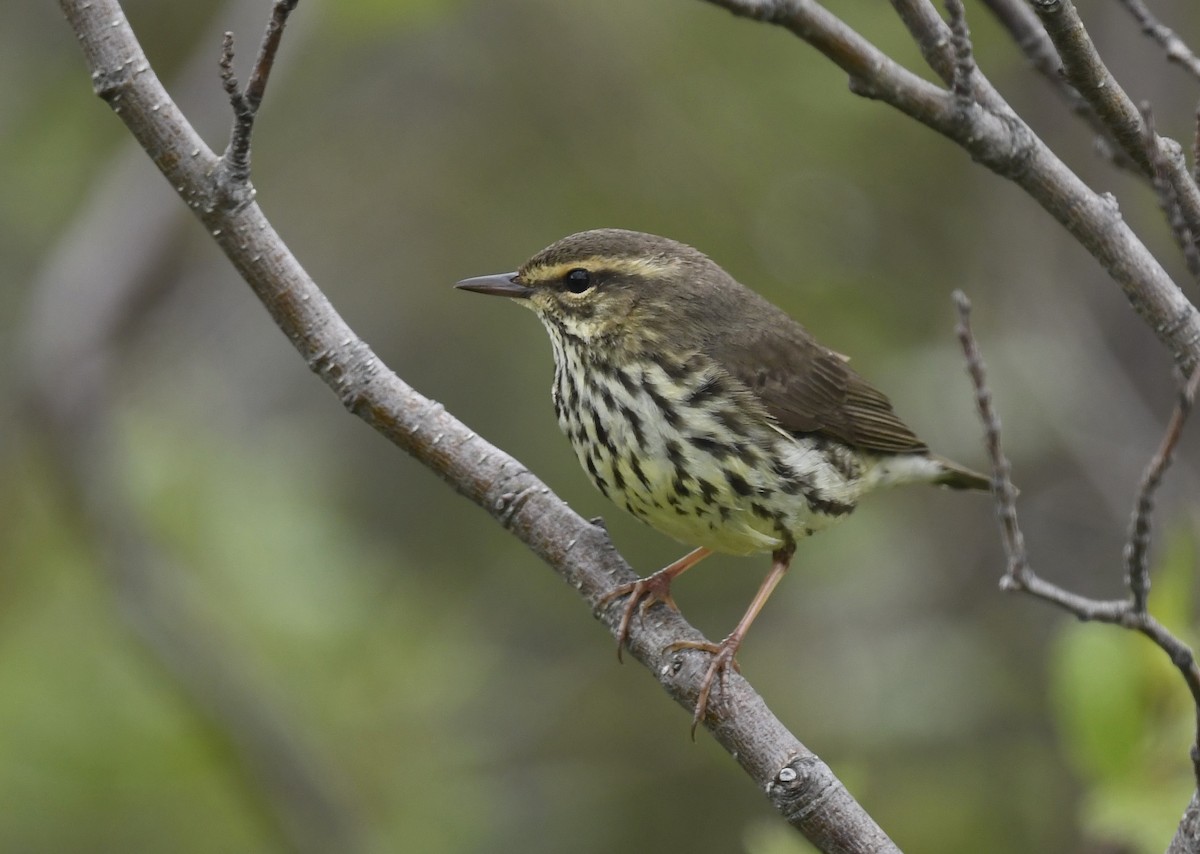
x=724, y=652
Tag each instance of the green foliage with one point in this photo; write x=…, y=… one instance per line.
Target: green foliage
x=91, y=730
x=1125, y=718
x=372, y=20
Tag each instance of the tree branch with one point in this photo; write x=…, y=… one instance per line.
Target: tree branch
x=1003, y=490
x=1168, y=193
x=1137, y=547
x=945, y=48
x=1175, y=48
x=1019, y=576
x=245, y=102
x=994, y=135
x=1030, y=36
x=797, y=782
x=961, y=81
x=1086, y=71
x=1187, y=837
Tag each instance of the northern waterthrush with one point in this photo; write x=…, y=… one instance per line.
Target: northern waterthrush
x=705, y=411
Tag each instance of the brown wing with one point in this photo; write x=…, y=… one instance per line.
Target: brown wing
x=808, y=388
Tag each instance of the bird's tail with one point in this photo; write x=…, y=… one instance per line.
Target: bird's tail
x=959, y=477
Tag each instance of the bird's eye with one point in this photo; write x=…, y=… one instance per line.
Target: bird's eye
x=578, y=280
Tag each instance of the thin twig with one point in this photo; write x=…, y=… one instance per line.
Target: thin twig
x=267, y=50
x=1168, y=197
x=964, y=58
x=942, y=48
x=931, y=35
x=1184, y=659
x=1176, y=49
x=229, y=80
x=1005, y=493
x=1087, y=72
x=245, y=102
x=1137, y=547
x=1196, y=147
x=1031, y=39
x=995, y=136
x=1019, y=576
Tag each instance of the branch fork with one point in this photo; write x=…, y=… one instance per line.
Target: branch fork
x=1130, y=613
x=233, y=175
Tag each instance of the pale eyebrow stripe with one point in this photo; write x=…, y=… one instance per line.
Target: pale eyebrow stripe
x=649, y=268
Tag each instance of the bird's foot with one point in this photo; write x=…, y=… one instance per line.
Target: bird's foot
x=722, y=660
x=643, y=593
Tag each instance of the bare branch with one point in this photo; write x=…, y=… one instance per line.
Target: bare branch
x=798, y=783
x=1137, y=547
x=931, y=35
x=1187, y=836
x=1176, y=49
x=1086, y=71
x=1184, y=659
x=1196, y=147
x=964, y=59
x=257, y=86
x=1019, y=575
x=245, y=102
x=996, y=137
x=1017, y=572
x=1168, y=197
x=1030, y=36
x=942, y=47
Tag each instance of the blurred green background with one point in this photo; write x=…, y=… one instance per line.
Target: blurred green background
x=439, y=686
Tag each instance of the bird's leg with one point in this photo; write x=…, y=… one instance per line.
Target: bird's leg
x=723, y=653
x=649, y=591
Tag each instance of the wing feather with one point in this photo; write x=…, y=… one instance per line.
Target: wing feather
x=809, y=388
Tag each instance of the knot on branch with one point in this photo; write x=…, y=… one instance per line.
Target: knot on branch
x=509, y=503
x=800, y=788
x=111, y=83
x=1013, y=158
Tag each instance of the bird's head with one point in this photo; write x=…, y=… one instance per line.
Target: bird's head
x=624, y=289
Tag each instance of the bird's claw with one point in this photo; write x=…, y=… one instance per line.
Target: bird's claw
x=643, y=593
x=722, y=659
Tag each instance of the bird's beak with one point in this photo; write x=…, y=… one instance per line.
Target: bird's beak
x=500, y=285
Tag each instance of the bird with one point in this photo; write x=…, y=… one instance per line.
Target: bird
x=706, y=411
